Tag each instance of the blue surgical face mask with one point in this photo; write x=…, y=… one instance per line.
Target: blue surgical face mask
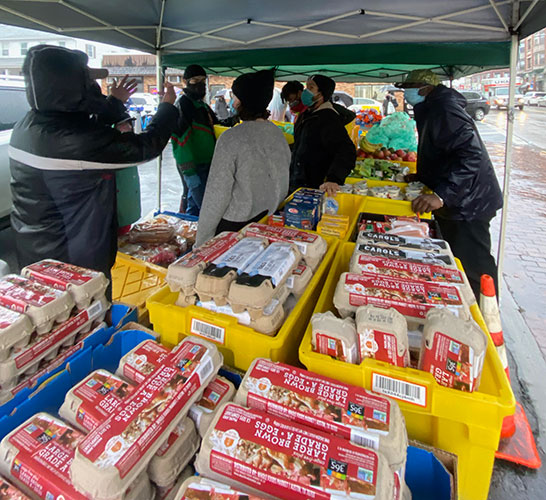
x=232, y=108
x=307, y=98
x=413, y=96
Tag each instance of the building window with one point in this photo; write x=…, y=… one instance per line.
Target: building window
x=62, y=44
x=5, y=49
x=91, y=51
x=24, y=48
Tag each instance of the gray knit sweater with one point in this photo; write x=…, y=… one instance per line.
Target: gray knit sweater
x=249, y=174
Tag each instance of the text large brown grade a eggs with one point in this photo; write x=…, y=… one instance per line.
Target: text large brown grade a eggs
x=113, y=455
x=37, y=457
x=84, y=285
x=330, y=406
x=45, y=306
x=201, y=488
x=275, y=458
x=149, y=355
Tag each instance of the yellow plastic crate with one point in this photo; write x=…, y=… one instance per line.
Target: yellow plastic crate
x=134, y=280
x=467, y=424
x=240, y=344
x=385, y=206
x=349, y=204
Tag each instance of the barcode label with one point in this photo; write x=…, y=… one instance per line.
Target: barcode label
x=205, y=369
x=290, y=282
x=365, y=439
x=301, y=246
x=211, y=332
x=399, y=389
x=94, y=310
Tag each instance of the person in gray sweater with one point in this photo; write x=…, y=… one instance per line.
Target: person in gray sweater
x=250, y=169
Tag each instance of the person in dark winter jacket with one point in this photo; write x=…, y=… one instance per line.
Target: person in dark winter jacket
x=323, y=153
x=63, y=157
x=453, y=162
x=193, y=140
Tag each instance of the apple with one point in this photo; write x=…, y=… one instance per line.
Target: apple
x=412, y=157
x=400, y=153
x=379, y=155
x=405, y=157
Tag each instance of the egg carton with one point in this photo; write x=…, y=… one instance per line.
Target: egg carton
x=45, y=306
x=26, y=361
x=15, y=331
x=84, y=285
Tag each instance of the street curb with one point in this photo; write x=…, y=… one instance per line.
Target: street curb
x=530, y=366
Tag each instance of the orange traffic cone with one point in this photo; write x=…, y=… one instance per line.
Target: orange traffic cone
x=491, y=315
x=517, y=442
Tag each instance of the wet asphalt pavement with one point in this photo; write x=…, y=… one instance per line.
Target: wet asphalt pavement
x=524, y=292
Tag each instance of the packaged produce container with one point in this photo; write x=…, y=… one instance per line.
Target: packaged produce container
x=239, y=344
x=466, y=424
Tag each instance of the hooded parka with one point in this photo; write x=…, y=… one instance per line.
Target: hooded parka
x=63, y=156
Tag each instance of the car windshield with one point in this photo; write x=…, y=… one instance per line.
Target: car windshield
x=139, y=100
x=502, y=91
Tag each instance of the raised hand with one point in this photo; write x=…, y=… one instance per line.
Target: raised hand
x=122, y=90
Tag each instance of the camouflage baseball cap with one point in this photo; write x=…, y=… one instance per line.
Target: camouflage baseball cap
x=422, y=76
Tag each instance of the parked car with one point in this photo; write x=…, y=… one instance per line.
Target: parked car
x=13, y=106
x=477, y=105
x=365, y=103
x=143, y=102
x=541, y=102
x=531, y=98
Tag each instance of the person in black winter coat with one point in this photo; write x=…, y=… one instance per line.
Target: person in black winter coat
x=323, y=154
x=453, y=162
x=63, y=156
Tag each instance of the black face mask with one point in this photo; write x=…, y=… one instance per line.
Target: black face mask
x=196, y=91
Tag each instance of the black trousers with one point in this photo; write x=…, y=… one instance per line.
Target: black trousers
x=470, y=242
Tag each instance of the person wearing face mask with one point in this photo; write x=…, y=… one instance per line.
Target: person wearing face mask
x=64, y=155
x=193, y=141
x=291, y=94
x=250, y=168
x=453, y=162
x=323, y=154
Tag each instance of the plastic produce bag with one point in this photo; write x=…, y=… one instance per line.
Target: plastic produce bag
x=396, y=131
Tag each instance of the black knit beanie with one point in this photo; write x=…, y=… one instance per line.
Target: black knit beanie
x=326, y=85
x=194, y=70
x=255, y=90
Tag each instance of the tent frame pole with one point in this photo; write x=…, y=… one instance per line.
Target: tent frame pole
x=160, y=77
x=514, y=49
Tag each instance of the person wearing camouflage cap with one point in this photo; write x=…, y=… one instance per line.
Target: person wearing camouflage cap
x=453, y=162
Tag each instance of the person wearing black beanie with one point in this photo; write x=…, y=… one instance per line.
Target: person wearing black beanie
x=249, y=173
x=323, y=154
x=193, y=141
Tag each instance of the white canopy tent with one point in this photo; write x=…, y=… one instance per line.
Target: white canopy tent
x=351, y=39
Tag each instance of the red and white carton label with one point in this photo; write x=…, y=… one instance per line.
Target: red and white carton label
x=382, y=346
x=274, y=233
x=173, y=437
x=144, y=360
x=46, y=450
x=214, y=394
x=328, y=405
x=101, y=393
x=132, y=428
x=452, y=363
x=409, y=270
x=205, y=490
x=208, y=251
x=8, y=318
x=10, y=492
x=30, y=353
x=60, y=275
x=417, y=256
x=412, y=299
x=287, y=460
x=19, y=293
